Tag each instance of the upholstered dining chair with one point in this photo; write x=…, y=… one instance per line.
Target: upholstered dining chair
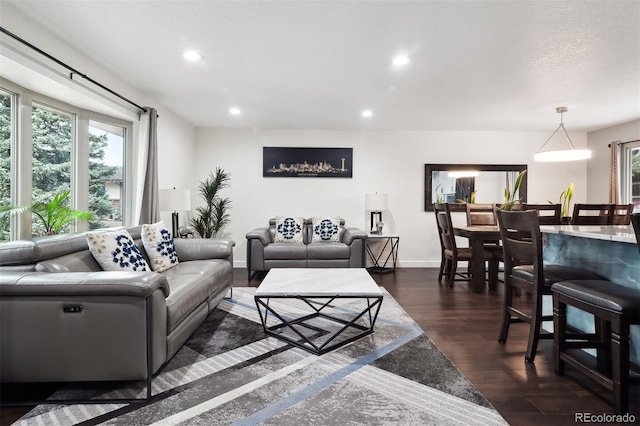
x=592, y=214
x=525, y=271
x=616, y=308
x=451, y=254
x=548, y=214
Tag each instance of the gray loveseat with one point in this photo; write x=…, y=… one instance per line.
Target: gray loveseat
x=263, y=253
x=65, y=319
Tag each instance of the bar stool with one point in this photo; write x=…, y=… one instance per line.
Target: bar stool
x=619, y=307
x=616, y=308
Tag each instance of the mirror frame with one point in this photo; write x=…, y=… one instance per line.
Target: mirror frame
x=430, y=168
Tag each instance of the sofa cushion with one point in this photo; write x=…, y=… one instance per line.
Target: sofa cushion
x=328, y=251
x=289, y=229
x=285, y=251
x=158, y=243
x=326, y=229
x=191, y=284
x=116, y=251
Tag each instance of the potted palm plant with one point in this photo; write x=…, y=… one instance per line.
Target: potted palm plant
x=565, y=203
x=54, y=216
x=213, y=216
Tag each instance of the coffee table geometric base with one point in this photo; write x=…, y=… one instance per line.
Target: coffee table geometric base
x=321, y=340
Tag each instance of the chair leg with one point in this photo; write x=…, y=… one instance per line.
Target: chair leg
x=493, y=273
x=534, y=328
x=443, y=260
x=506, y=315
x=452, y=272
x=620, y=356
x=559, y=334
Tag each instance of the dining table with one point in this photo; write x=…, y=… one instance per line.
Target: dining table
x=478, y=236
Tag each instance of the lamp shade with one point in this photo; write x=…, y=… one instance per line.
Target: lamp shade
x=376, y=202
x=172, y=200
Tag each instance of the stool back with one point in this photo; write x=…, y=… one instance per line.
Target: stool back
x=521, y=243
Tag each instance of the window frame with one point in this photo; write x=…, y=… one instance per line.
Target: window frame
x=22, y=147
x=625, y=171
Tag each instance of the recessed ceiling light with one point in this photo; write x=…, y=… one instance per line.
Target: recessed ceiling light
x=192, y=55
x=367, y=113
x=234, y=111
x=400, y=61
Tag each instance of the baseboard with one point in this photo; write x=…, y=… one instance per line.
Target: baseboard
x=401, y=264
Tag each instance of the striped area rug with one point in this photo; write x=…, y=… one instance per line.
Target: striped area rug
x=230, y=373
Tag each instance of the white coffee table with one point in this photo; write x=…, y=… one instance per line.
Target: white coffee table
x=324, y=326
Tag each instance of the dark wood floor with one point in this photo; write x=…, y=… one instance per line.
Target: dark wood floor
x=464, y=325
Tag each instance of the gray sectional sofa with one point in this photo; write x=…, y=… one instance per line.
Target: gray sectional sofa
x=264, y=253
x=65, y=319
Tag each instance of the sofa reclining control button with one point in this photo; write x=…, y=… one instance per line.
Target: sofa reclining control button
x=72, y=309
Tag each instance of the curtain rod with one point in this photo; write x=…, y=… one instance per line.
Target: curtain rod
x=73, y=70
x=624, y=143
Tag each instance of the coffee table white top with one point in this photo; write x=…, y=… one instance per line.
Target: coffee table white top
x=319, y=282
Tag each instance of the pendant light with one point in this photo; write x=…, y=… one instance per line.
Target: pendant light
x=571, y=154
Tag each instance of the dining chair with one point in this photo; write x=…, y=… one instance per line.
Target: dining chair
x=451, y=254
x=481, y=214
x=548, y=214
x=634, y=218
x=615, y=308
x=592, y=214
x=525, y=271
x=621, y=214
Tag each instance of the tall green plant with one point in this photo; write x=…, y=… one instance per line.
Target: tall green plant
x=510, y=199
x=213, y=216
x=54, y=216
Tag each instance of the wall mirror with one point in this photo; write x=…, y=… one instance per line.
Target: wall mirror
x=455, y=183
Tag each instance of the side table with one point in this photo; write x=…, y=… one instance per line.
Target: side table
x=392, y=242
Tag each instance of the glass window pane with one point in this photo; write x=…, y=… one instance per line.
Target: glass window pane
x=106, y=167
x=51, y=166
x=6, y=126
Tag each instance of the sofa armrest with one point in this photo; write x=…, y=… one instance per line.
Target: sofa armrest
x=104, y=283
x=203, y=248
x=351, y=234
x=261, y=234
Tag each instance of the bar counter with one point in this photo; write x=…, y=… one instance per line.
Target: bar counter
x=611, y=251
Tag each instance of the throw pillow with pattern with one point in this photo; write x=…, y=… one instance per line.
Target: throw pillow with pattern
x=116, y=251
x=158, y=242
x=326, y=229
x=289, y=229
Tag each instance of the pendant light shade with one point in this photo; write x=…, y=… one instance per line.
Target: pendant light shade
x=570, y=154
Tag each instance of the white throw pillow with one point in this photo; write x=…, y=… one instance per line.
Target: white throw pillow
x=289, y=229
x=326, y=229
x=158, y=243
x=116, y=251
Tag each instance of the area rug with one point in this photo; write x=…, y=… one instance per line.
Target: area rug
x=229, y=373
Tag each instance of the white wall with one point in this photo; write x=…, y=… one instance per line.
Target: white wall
x=389, y=162
x=598, y=168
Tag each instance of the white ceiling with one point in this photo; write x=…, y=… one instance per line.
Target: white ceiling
x=475, y=65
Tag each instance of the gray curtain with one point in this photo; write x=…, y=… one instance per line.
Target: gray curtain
x=149, y=211
x=614, y=179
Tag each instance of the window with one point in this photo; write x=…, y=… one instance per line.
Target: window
x=61, y=148
x=7, y=123
x=52, y=139
x=106, y=171
x=630, y=182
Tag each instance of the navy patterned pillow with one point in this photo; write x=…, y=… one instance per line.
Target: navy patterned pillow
x=289, y=229
x=158, y=243
x=326, y=229
x=116, y=251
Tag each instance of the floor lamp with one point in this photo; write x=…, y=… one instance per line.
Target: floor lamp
x=174, y=200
